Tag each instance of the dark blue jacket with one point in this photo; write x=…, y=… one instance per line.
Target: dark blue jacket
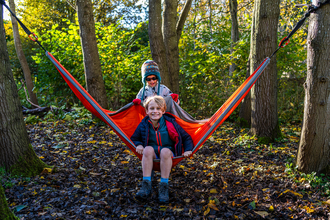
x=183, y=141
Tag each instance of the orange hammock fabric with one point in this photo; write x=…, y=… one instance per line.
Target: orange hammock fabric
x=126, y=121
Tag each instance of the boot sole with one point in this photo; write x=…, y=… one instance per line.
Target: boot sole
x=142, y=197
x=164, y=201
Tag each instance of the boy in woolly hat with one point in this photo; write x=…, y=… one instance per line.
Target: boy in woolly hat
x=151, y=75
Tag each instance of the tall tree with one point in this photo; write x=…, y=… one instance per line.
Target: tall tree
x=164, y=35
x=16, y=153
x=21, y=56
x=5, y=212
x=264, y=118
x=314, y=146
x=234, y=31
x=93, y=71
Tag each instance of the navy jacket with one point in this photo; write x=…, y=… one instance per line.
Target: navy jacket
x=183, y=141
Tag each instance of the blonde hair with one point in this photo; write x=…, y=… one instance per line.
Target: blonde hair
x=160, y=101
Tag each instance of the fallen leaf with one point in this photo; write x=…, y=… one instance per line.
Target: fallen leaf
x=252, y=205
x=212, y=206
x=213, y=191
x=207, y=211
x=294, y=193
x=187, y=200
x=19, y=208
x=46, y=170
x=95, y=174
x=262, y=213
x=114, y=190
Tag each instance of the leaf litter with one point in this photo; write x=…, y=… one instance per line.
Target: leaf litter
x=95, y=176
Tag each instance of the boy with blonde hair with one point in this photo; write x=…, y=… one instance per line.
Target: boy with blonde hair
x=159, y=136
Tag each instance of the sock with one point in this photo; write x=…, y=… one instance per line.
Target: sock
x=147, y=178
x=164, y=180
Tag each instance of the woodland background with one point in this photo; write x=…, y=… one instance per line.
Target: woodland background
x=123, y=47
x=234, y=176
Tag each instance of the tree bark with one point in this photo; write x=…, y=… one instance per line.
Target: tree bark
x=21, y=56
x=234, y=31
x=171, y=43
x=314, y=146
x=93, y=71
x=182, y=18
x=164, y=36
x=5, y=212
x=16, y=153
x=264, y=118
x=157, y=45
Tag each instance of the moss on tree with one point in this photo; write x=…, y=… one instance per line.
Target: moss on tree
x=28, y=164
x=5, y=212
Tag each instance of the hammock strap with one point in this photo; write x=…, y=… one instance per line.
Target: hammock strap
x=27, y=31
x=311, y=9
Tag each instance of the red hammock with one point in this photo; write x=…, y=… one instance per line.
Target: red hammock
x=124, y=122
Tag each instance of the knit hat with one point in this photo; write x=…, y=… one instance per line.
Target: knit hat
x=148, y=68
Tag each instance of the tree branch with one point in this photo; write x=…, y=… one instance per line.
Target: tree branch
x=182, y=19
x=72, y=5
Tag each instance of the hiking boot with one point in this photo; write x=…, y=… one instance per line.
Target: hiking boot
x=163, y=192
x=145, y=190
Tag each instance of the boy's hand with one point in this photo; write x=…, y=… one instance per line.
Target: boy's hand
x=187, y=153
x=139, y=149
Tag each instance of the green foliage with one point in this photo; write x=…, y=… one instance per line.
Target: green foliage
x=204, y=61
x=318, y=182
x=205, y=58
x=121, y=66
x=264, y=140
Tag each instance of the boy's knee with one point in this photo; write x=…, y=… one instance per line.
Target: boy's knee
x=148, y=151
x=166, y=153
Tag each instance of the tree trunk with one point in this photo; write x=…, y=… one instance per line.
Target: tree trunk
x=93, y=71
x=264, y=118
x=164, y=36
x=171, y=43
x=234, y=31
x=157, y=45
x=16, y=153
x=314, y=146
x=245, y=110
x=5, y=212
x=21, y=56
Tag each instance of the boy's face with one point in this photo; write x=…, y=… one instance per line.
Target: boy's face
x=152, y=80
x=154, y=111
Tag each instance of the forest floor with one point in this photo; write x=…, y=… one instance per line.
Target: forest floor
x=95, y=176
